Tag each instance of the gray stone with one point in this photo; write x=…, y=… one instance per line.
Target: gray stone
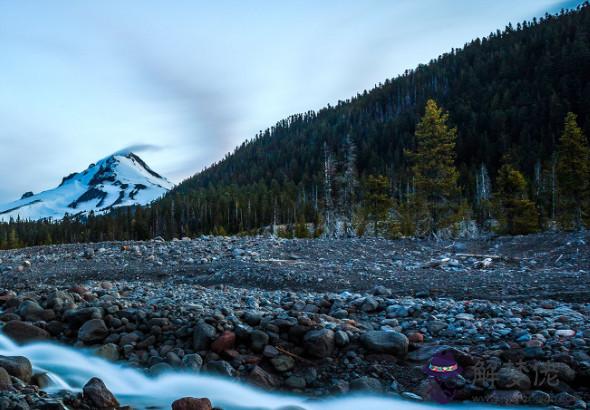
x=258, y=339
x=77, y=317
x=436, y=326
x=262, y=378
x=203, y=334
x=505, y=397
x=253, y=318
x=366, y=384
x=565, y=399
x=283, y=363
x=369, y=305
x=539, y=397
x=31, y=311
x=160, y=368
x=511, y=378
x=192, y=362
x=108, y=351
x=340, y=314
x=341, y=338
x=221, y=367
x=563, y=371
x=296, y=382
x=58, y=300
x=89, y=253
x=41, y=379
x=386, y=342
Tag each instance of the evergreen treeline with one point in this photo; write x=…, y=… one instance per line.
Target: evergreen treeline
x=372, y=158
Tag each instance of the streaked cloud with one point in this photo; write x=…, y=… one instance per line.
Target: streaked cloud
x=183, y=82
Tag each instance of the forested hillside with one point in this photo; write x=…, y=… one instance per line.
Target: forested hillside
x=507, y=95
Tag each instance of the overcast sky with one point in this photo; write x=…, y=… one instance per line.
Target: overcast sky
x=184, y=82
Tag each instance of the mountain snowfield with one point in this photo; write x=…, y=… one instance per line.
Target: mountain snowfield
x=121, y=179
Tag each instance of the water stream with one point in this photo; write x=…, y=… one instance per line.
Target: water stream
x=70, y=368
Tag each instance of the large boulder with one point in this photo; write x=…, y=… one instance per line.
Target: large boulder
x=93, y=331
x=386, y=342
x=97, y=394
x=23, y=332
x=319, y=343
x=17, y=366
x=191, y=403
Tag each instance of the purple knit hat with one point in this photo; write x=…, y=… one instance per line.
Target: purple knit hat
x=442, y=364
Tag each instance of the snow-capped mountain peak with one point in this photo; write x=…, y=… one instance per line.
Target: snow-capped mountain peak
x=121, y=179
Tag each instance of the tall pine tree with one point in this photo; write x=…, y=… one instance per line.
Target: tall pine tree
x=573, y=174
x=516, y=213
x=434, y=172
x=377, y=199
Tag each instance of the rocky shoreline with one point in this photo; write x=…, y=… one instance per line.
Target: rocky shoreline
x=313, y=342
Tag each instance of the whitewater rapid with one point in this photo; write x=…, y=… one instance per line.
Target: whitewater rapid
x=70, y=369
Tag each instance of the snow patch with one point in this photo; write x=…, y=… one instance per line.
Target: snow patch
x=122, y=179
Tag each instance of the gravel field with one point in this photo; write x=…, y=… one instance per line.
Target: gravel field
x=555, y=266
x=318, y=317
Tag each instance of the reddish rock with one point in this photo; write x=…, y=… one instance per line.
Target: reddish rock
x=319, y=343
x=224, y=342
x=23, y=332
x=97, y=394
x=17, y=366
x=251, y=359
x=106, y=285
x=416, y=337
x=5, y=381
x=93, y=330
x=534, y=343
x=7, y=317
x=79, y=289
x=6, y=296
x=231, y=354
x=192, y=403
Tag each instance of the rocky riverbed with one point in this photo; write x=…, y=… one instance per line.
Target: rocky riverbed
x=318, y=317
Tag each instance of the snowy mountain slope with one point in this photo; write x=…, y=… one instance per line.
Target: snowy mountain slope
x=121, y=179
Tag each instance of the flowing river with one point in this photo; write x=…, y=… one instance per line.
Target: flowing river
x=70, y=368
